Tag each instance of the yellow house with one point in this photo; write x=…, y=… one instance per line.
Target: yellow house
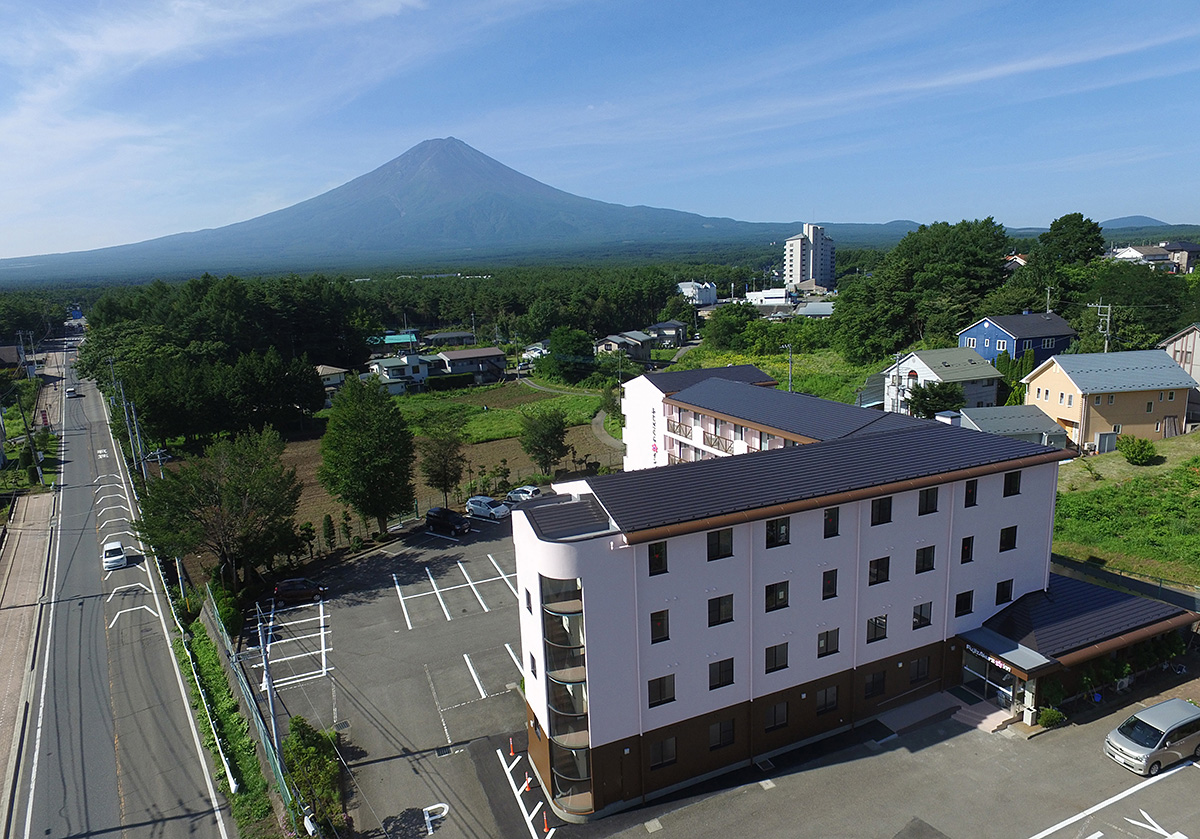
x=1096, y=396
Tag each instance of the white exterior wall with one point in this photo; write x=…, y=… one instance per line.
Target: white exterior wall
x=619, y=596
x=645, y=425
x=976, y=391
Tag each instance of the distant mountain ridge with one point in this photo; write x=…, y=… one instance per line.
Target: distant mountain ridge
x=441, y=202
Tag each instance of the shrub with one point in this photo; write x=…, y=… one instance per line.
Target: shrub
x=228, y=610
x=1053, y=692
x=312, y=761
x=1137, y=451
x=1051, y=718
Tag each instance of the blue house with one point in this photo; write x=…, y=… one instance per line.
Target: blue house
x=1043, y=332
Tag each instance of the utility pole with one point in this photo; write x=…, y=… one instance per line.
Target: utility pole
x=473, y=338
x=267, y=684
x=788, y=347
x=1104, y=312
x=1048, y=288
x=896, y=386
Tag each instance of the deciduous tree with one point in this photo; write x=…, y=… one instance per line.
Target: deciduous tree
x=544, y=437
x=442, y=451
x=367, y=452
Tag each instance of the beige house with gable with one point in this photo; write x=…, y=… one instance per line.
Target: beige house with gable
x=1096, y=396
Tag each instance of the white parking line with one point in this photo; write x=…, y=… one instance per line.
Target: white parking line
x=1113, y=800
x=404, y=608
x=513, y=656
x=518, y=791
x=445, y=611
x=472, y=585
x=504, y=576
x=475, y=676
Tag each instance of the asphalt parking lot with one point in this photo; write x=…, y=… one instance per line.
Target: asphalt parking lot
x=422, y=685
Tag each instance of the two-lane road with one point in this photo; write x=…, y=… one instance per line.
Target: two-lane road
x=111, y=747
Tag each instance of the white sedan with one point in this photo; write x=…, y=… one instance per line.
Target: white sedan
x=524, y=493
x=487, y=508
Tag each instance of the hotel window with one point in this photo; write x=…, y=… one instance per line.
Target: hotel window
x=739, y=432
x=776, y=716
x=881, y=510
x=831, y=522
x=1004, y=592
x=720, y=610
x=925, y=559
x=720, y=674
x=777, y=657
x=968, y=549
x=528, y=601
x=1047, y=343
x=660, y=626
x=876, y=628
x=1001, y=345
x=827, y=699
x=964, y=603
x=658, y=558
x=1012, y=483
x=777, y=596
x=829, y=584
x=827, y=643
x=971, y=493
x=1008, y=538
x=661, y=690
x=720, y=544
x=877, y=570
x=532, y=666
x=876, y=684
x=927, y=501
x=918, y=669
x=662, y=753
x=720, y=734
x=922, y=615
x=778, y=531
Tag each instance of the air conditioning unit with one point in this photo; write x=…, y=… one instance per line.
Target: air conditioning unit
x=1089, y=448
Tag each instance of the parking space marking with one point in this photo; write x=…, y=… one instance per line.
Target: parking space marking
x=437, y=703
x=429, y=574
x=520, y=789
x=472, y=585
x=400, y=594
x=1098, y=807
x=475, y=677
x=513, y=656
x=505, y=577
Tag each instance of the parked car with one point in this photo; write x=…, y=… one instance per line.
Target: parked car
x=1156, y=736
x=114, y=555
x=516, y=496
x=299, y=590
x=487, y=507
x=71, y=393
x=446, y=522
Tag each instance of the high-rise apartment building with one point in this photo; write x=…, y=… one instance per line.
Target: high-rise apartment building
x=809, y=260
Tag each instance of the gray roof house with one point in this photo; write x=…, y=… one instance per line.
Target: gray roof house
x=1021, y=422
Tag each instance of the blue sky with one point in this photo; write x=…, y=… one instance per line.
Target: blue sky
x=124, y=121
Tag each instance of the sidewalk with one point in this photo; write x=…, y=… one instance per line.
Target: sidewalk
x=22, y=571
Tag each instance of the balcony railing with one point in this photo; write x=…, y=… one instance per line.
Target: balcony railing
x=721, y=444
x=679, y=429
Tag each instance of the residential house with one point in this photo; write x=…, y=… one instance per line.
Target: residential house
x=769, y=297
x=1043, y=333
x=668, y=333
x=809, y=260
x=980, y=380
x=331, y=377
x=645, y=412
x=535, y=351
x=1142, y=254
x=412, y=369
x=1183, y=255
x=1014, y=261
x=1097, y=396
x=1020, y=422
x=820, y=309
x=699, y=294
x=449, y=339
x=1184, y=348
x=635, y=344
x=393, y=387
x=486, y=363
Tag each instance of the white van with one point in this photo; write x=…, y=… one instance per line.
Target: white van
x=114, y=556
x=1156, y=736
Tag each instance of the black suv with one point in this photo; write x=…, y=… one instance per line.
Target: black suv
x=448, y=522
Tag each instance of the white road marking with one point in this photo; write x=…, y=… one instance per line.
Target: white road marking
x=445, y=611
x=1097, y=807
x=504, y=576
x=403, y=608
x=438, y=704
x=134, y=609
x=454, y=587
x=475, y=677
x=472, y=585
x=517, y=790
x=513, y=656
x=142, y=586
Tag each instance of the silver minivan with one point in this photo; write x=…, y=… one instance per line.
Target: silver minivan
x=1156, y=736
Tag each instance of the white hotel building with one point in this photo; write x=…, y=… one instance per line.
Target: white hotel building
x=683, y=621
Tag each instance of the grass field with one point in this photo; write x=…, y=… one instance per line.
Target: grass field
x=1135, y=519
x=494, y=413
x=823, y=373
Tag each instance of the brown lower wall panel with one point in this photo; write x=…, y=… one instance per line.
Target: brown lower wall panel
x=622, y=774
x=539, y=747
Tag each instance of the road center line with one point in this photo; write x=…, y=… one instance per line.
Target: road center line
x=403, y=608
x=504, y=577
x=445, y=611
x=472, y=585
x=475, y=676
